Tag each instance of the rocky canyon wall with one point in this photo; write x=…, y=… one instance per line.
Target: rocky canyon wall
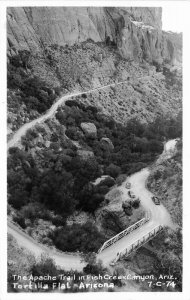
x=136, y=31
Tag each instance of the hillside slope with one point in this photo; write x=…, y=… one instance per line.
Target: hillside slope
x=55, y=51
x=166, y=182
x=36, y=80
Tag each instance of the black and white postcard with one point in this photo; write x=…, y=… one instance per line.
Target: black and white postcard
x=93, y=103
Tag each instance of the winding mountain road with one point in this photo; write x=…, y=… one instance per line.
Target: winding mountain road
x=50, y=112
x=159, y=214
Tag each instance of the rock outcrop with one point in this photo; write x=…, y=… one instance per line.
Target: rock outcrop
x=107, y=142
x=104, y=180
x=111, y=218
x=136, y=31
x=89, y=129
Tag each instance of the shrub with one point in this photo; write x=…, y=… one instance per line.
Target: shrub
x=58, y=220
x=78, y=237
x=112, y=222
x=136, y=203
x=94, y=269
x=44, y=267
x=135, y=167
x=71, y=132
x=120, y=179
x=102, y=189
x=113, y=170
x=20, y=220
x=157, y=174
x=33, y=91
x=71, y=103
x=21, y=59
x=33, y=211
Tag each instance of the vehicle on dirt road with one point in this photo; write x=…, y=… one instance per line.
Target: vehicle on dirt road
x=128, y=185
x=131, y=194
x=156, y=200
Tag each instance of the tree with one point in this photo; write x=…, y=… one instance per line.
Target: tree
x=21, y=59
x=155, y=146
x=93, y=267
x=113, y=170
x=78, y=237
x=136, y=203
x=108, y=181
x=169, y=255
x=108, y=40
x=33, y=211
x=32, y=102
x=44, y=267
x=90, y=198
x=111, y=221
x=55, y=191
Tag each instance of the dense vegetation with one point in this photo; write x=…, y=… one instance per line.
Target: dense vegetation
x=135, y=144
x=34, y=92
x=78, y=238
x=58, y=179
x=168, y=247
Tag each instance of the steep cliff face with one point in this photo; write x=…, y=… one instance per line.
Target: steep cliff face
x=32, y=27
x=135, y=31
x=149, y=15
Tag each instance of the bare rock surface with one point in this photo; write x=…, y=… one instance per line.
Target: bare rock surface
x=89, y=129
x=110, y=218
x=135, y=30
x=102, y=179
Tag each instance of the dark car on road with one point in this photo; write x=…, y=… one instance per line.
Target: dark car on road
x=131, y=194
x=156, y=200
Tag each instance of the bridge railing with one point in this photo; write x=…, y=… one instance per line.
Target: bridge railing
x=138, y=243
x=124, y=232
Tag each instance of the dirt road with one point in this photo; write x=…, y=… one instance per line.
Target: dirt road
x=22, y=130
